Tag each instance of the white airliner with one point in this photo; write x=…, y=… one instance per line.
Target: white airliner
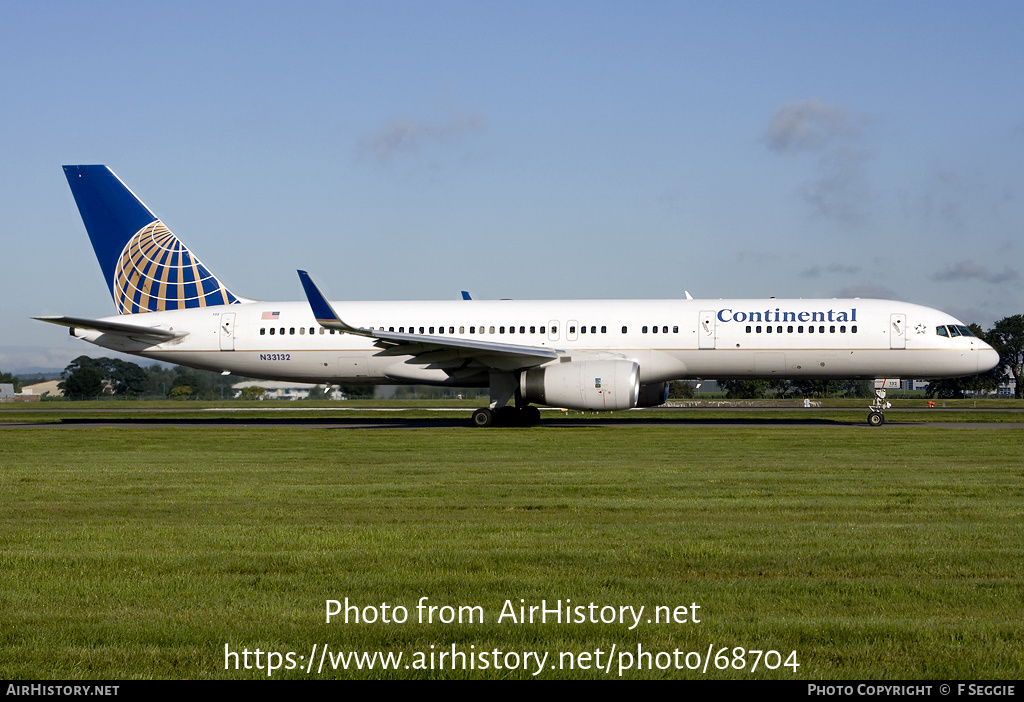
x=573, y=354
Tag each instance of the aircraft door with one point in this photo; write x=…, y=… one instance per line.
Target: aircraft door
x=898, y=331
x=706, y=330
x=227, y=331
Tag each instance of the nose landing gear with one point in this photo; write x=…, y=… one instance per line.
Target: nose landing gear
x=876, y=418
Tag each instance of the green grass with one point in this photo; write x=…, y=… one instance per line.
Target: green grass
x=141, y=552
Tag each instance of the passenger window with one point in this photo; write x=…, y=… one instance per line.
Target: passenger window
x=462, y=330
x=604, y=329
x=821, y=329
x=292, y=331
x=842, y=329
x=758, y=328
x=272, y=330
x=644, y=330
x=832, y=329
x=572, y=330
x=768, y=329
x=492, y=330
x=263, y=331
x=501, y=330
x=472, y=330
x=675, y=330
x=800, y=329
x=853, y=329
x=593, y=330
x=789, y=329
x=748, y=328
x=623, y=330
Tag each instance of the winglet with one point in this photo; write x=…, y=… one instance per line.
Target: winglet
x=322, y=310
x=465, y=295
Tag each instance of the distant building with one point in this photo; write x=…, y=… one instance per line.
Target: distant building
x=6, y=392
x=283, y=390
x=43, y=389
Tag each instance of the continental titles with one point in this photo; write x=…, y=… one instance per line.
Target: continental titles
x=779, y=315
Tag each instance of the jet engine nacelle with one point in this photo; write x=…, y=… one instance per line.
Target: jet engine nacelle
x=583, y=385
x=652, y=395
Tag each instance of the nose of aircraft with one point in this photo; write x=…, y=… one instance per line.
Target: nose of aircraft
x=988, y=358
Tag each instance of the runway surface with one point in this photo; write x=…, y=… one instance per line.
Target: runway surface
x=391, y=418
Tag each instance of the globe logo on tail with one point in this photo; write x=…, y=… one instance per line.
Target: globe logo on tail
x=157, y=272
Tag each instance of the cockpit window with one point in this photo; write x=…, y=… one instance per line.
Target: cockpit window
x=953, y=330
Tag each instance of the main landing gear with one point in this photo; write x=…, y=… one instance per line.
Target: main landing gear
x=504, y=389
x=876, y=418
x=506, y=416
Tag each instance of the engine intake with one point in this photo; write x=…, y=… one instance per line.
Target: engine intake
x=652, y=395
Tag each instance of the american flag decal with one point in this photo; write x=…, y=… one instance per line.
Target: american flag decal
x=271, y=315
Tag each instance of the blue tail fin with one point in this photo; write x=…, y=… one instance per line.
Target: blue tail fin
x=146, y=267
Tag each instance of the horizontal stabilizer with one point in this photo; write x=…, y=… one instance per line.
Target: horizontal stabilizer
x=134, y=331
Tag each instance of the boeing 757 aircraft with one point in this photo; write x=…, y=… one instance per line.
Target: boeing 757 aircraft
x=573, y=354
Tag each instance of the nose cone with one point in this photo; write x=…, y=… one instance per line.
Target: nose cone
x=988, y=358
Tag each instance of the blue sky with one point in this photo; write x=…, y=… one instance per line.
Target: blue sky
x=408, y=150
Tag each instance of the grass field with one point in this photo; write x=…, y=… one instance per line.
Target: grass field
x=141, y=552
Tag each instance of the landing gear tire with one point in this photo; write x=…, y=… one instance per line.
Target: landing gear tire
x=530, y=415
x=483, y=417
x=876, y=419
x=506, y=416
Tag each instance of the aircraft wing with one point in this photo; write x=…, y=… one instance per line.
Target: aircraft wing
x=432, y=350
x=134, y=331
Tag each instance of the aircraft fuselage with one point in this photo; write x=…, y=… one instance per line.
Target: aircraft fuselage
x=668, y=339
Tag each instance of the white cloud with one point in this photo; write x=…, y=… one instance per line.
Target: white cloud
x=969, y=270
x=811, y=125
x=411, y=136
x=839, y=187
